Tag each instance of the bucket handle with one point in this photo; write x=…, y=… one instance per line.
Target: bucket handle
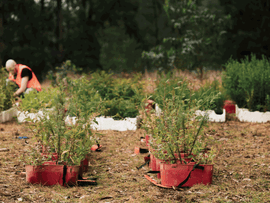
x=196, y=166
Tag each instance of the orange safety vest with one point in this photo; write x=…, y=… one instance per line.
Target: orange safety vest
x=34, y=83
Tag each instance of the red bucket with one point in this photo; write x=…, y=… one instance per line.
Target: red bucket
x=83, y=167
x=149, y=105
x=45, y=174
x=184, y=157
x=72, y=173
x=174, y=174
x=152, y=163
x=158, y=161
x=229, y=106
x=84, y=164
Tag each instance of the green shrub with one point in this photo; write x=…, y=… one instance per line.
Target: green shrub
x=70, y=142
x=120, y=108
x=34, y=101
x=209, y=89
x=168, y=85
x=102, y=82
x=6, y=91
x=106, y=95
x=83, y=99
x=124, y=98
x=177, y=130
x=247, y=83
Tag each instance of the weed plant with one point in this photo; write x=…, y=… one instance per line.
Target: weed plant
x=247, y=83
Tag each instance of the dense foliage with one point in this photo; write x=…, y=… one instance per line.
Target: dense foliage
x=246, y=31
x=247, y=83
x=169, y=85
x=43, y=34
x=6, y=91
x=103, y=94
x=35, y=101
x=185, y=34
x=196, y=41
x=214, y=88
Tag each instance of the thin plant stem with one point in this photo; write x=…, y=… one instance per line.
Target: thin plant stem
x=198, y=132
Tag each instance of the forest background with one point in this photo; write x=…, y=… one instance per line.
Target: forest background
x=132, y=35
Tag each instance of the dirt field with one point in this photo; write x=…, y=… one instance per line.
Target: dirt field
x=241, y=169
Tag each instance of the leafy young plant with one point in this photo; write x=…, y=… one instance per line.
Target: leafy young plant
x=71, y=142
x=34, y=156
x=208, y=89
x=35, y=101
x=178, y=130
x=247, y=82
x=167, y=85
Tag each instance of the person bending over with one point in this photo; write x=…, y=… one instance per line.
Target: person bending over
x=23, y=76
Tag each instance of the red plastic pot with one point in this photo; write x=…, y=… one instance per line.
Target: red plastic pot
x=152, y=163
x=84, y=164
x=137, y=150
x=229, y=106
x=184, y=157
x=149, y=105
x=174, y=174
x=83, y=167
x=158, y=161
x=71, y=175
x=45, y=174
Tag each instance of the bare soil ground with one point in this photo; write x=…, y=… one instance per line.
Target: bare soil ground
x=241, y=169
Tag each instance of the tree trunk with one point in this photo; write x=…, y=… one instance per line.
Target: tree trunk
x=42, y=15
x=90, y=32
x=59, y=29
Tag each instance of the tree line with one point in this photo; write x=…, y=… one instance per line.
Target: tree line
x=131, y=35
